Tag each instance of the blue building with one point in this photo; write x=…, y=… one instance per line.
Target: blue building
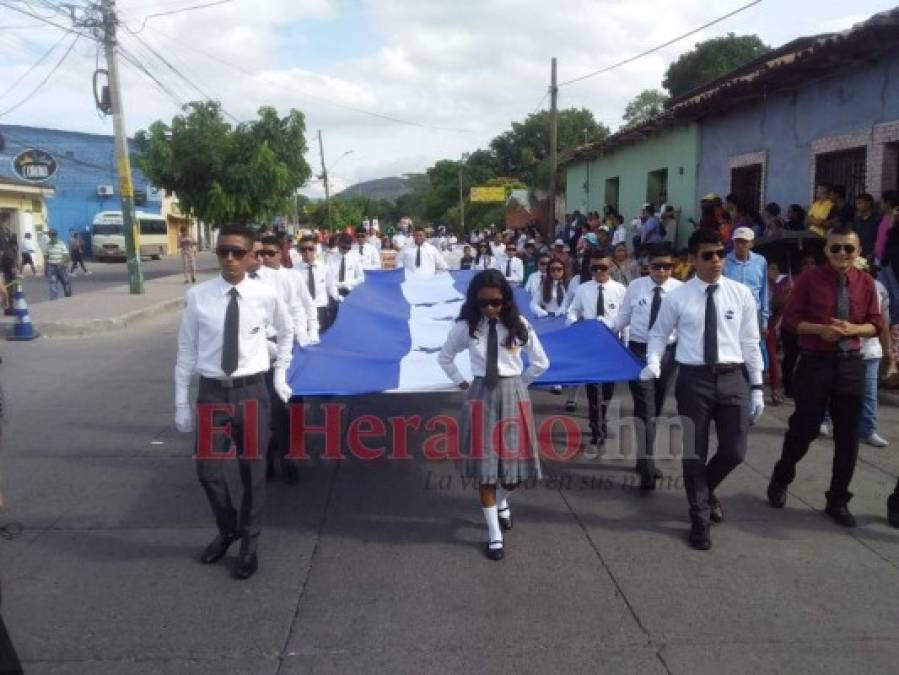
x=85, y=182
x=819, y=109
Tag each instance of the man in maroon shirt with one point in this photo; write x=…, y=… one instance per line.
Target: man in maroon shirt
x=830, y=309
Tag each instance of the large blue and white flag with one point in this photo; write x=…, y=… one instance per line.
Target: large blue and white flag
x=390, y=329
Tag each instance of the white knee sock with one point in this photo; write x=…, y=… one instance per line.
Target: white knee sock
x=493, y=531
x=502, y=498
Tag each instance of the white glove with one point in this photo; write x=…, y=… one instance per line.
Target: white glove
x=651, y=372
x=272, y=350
x=184, y=419
x=279, y=382
x=314, y=338
x=303, y=339
x=540, y=312
x=756, y=406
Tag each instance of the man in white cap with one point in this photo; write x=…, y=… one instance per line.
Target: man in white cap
x=751, y=270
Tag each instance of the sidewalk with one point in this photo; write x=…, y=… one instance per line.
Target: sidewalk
x=107, y=309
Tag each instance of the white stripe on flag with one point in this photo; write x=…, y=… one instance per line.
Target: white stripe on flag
x=434, y=304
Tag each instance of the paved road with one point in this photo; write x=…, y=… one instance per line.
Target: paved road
x=106, y=274
x=377, y=566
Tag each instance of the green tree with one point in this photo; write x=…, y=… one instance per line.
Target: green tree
x=648, y=103
x=221, y=173
x=523, y=151
x=710, y=60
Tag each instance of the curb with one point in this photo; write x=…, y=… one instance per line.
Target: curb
x=99, y=326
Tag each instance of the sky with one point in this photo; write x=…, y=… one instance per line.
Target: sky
x=455, y=73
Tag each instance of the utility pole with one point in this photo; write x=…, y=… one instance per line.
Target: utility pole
x=461, y=202
x=321, y=151
x=123, y=161
x=553, y=150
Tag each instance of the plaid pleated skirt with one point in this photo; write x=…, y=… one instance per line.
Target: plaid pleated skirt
x=498, y=434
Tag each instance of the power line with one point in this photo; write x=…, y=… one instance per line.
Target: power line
x=135, y=62
x=540, y=103
x=661, y=46
x=314, y=97
x=175, y=11
x=33, y=66
x=47, y=21
x=43, y=81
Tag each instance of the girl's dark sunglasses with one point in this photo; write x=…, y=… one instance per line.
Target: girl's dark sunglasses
x=493, y=302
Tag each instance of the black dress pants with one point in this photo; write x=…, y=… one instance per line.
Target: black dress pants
x=704, y=396
x=649, y=400
x=825, y=382
x=596, y=409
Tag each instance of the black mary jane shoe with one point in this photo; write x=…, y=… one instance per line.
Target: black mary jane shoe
x=218, y=547
x=716, y=513
x=505, y=522
x=699, y=537
x=495, y=553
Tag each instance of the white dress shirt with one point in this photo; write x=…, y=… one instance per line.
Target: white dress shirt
x=295, y=257
x=399, y=241
x=432, y=260
x=354, y=275
x=299, y=303
x=486, y=262
x=516, y=269
x=534, y=282
x=541, y=308
x=584, y=304
x=637, y=306
x=509, y=359
x=499, y=250
x=325, y=282
x=738, y=327
x=371, y=259
x=202, y=332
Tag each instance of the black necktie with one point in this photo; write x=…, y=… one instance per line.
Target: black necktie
x=600, y=301
x=560, y=294
x=491, y=376
x=311, y=282
x=418, y=257
x=361, y=246
x=232, y=326
x=254, y=275
x=341, y=277
x=843, y=309
x=509, y=267
x=710, y=335
x=656, y=305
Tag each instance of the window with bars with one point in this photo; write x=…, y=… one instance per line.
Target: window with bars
x=657, y=187
x=846, y=169
x=746, y=183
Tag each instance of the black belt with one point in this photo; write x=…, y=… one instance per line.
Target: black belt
x=234, y=382
x=832, y=356
x=715, y=368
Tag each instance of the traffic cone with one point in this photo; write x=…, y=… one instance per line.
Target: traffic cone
x=24, y=329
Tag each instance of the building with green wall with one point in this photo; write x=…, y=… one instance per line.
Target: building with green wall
x=648, y=164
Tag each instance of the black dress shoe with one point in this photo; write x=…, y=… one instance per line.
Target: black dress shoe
x=247, y=562
x=218, y=547
x=570, y=406
x=777, y=495
x=893, y=509
x=716, y=513
x=648, y=479
x=495, y=553
x=505, y=522
x=840, y=514
x=699, y=537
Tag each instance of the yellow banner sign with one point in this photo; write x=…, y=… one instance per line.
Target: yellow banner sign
x=488, y=194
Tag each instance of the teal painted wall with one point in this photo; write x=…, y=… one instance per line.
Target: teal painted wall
x=676, y=150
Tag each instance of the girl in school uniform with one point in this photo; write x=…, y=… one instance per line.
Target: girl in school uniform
x=549, y=296
x=495, y=334
x=485, y=259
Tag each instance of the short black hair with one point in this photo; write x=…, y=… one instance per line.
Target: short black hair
x=661, y=250
x=235, y=230
x=841, y=231
x=891, y=197
x=866, y=196
x=700, y=236
x=344, y=239
x=597, y=253
x=270, y=240
x=773, y=208
x=306, y=239
x=418, y=228
x=650, y=208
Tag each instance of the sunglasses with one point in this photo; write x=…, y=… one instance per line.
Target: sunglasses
x=234, y=251
x=599, y=268
x=720, y=253
x=493, y=302
x=542, y=264
x=510, y=251
x=307, y=248
x=848, y=249
x=556, y=269
x=266, y=254
x=661, y=266
x=346, y=249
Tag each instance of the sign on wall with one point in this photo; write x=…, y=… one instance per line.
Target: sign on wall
x=34, y=165
x=488, y=194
